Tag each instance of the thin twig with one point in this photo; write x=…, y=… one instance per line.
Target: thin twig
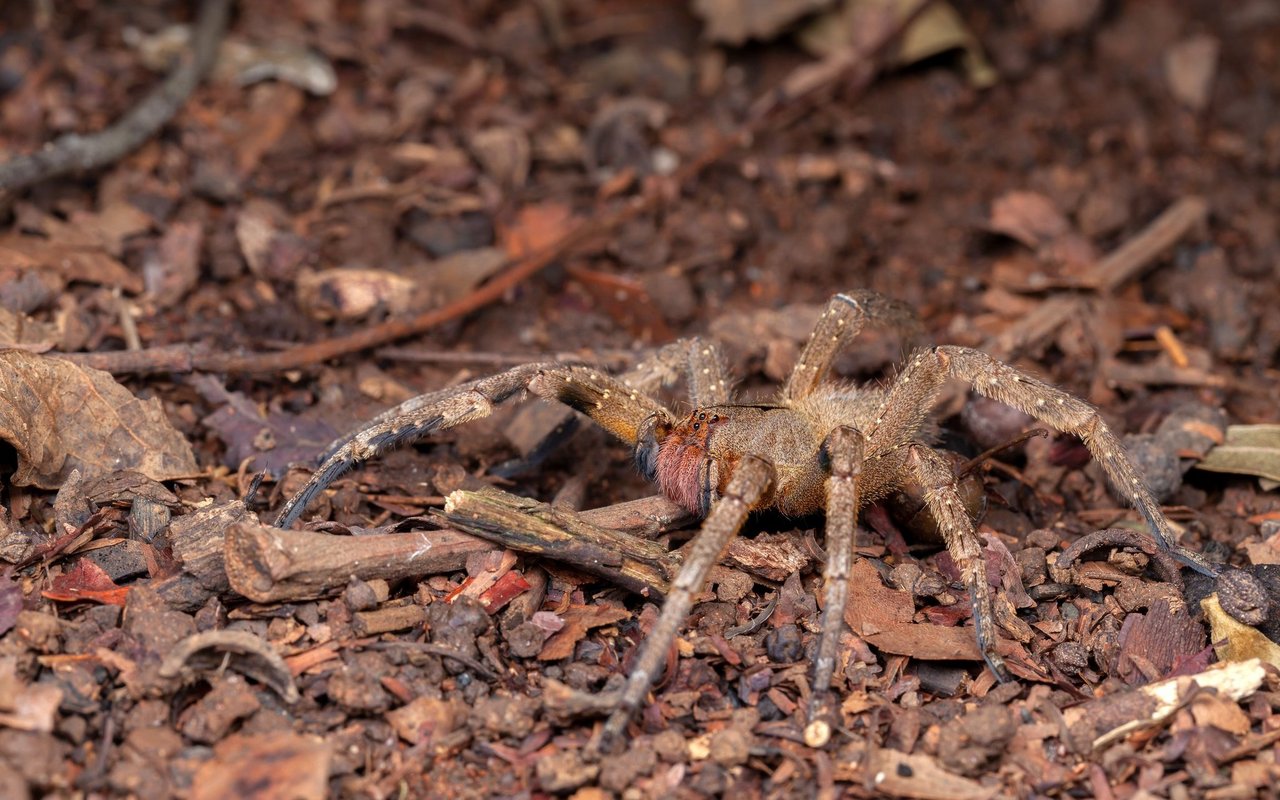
x=855, y=68
x=76, y=153
x=444, y=651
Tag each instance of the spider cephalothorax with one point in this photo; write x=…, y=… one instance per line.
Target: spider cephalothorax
x=819, y=446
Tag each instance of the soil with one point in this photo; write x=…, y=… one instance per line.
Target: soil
x=1089, y=192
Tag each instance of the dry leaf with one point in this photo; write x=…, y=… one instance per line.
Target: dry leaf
x=577, y=621
x=351, y=294
x=60, y=416
x=735, y=21
x=1190, y=67
x=257, y=766
x=1029, y=217
x=1235, y=641
x=87, y=581
x=20, y=331
x=88, y=264
x=24, y=706
x=536, y=228
x=1248, y=450
x=938, y=29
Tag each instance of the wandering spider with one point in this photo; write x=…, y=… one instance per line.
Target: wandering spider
x=820, y=446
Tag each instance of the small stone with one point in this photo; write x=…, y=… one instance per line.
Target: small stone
x=1071, y=657
x=670, y=746
x=784, y=645
x=1243, y=597
x=731, y=747
x=563, y=771
x=1156, y=463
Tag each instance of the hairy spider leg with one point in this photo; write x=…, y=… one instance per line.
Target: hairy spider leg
x=748, y=488
x=918, y=385
x=616, y=407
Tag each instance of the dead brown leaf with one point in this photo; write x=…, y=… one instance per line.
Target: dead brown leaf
x=88, y=264
x=20, y=331
x=264, y=765
x=577, y=621
x=536, y=228
x=1029, y=217
x=60, y=416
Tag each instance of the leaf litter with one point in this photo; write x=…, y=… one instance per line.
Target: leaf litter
x=301, y=205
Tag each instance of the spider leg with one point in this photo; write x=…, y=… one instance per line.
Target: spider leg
x=942, y=496
x=911, y=396
x=751, y=483
x=700, y=361
x=616, y=407
x=843, y=450
x=844, y=318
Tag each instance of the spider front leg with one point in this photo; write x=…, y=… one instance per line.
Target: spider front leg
x=751, y=483
x=614, y=406
x=843, y=451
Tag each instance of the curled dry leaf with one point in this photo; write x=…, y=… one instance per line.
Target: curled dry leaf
x=20, y=331
x=735, y=21
x=241, y=651
x=350, y=294
x=60, y=416
x=1248, y=450
x=1234, y=640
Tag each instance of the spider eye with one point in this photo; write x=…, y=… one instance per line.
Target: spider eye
x=697, y=425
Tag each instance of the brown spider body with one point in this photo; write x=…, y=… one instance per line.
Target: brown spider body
x=819, y=446
x=697, y=455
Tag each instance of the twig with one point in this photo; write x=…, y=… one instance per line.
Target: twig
x=775, y=103
x=1124, y=264
x=526, y=525
x=441, y=650
x=76, y=153
x=268, y=564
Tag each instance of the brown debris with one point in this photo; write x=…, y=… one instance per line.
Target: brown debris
x=566, y=181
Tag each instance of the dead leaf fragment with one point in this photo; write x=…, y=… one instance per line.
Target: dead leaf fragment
x=899, y=774
x=60, y=416
x=1235, y=641
x=1248, y=450
x=1190, y=67
x=87, y=581
x=537, y=227
x=1029, y=217
x=577, y=621
x=351, y=294
x=24, y=706
x=265, y=765
x=735, y=21
x=20, y=331
x=87, y=264
x=938, y=29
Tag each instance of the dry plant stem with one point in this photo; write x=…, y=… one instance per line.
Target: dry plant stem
x=595, y=227
x=76, y=153
x=1125, y=263
x=268, y=564
x=640, y=565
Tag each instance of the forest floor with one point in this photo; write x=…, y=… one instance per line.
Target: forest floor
x=366, y=201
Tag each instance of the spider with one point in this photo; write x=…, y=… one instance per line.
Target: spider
x=819, y=446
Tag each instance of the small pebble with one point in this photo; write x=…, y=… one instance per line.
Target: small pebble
x=1243, y=597
x=784, y=645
